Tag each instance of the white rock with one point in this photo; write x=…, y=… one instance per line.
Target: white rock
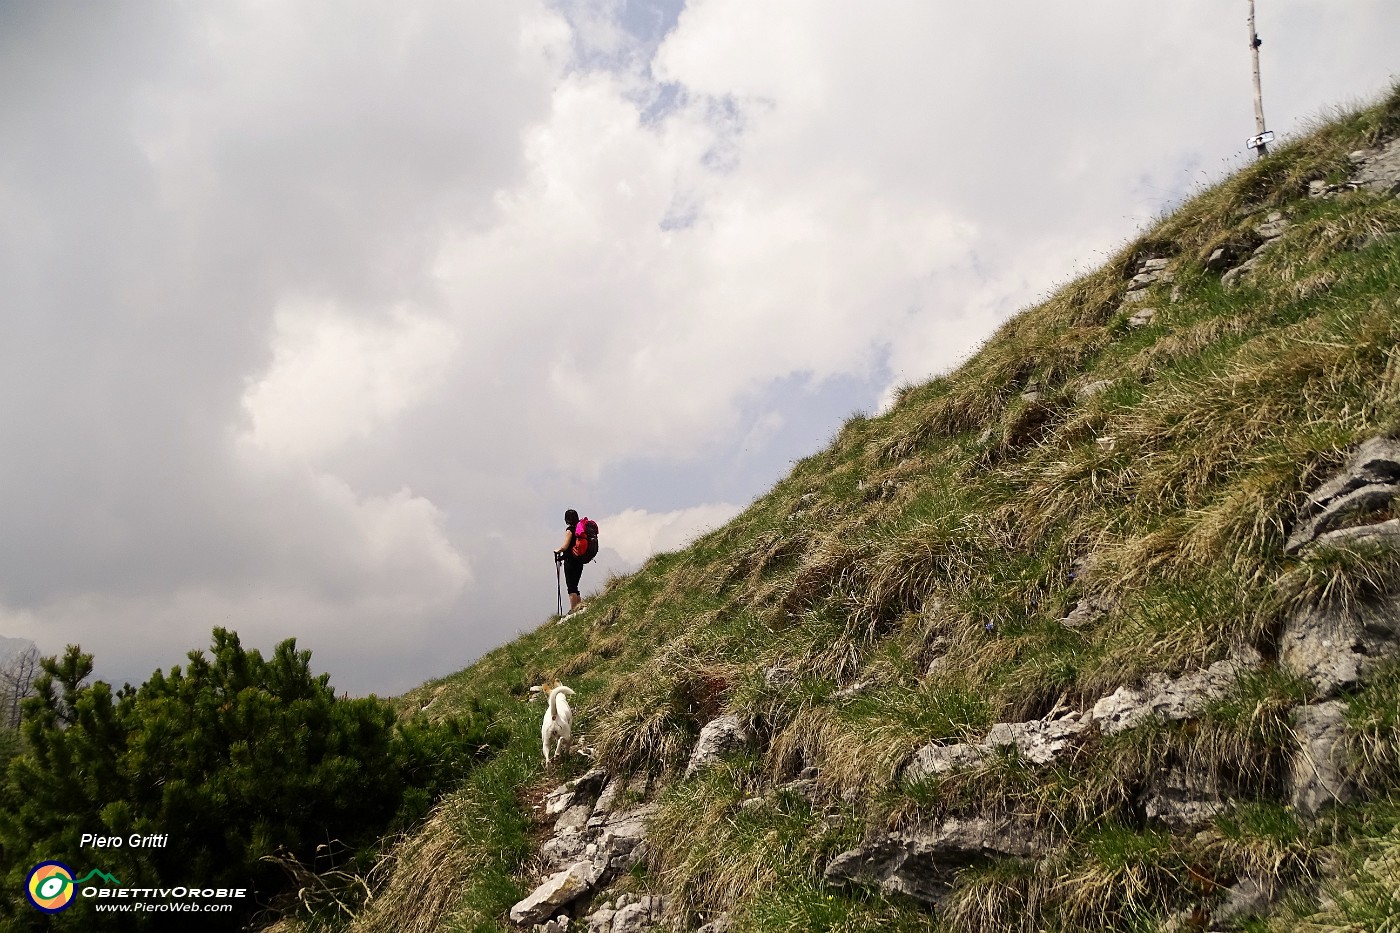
x=605, y=800
x=1142, y=317
x=719, y=737
x=922, y=862
x=1247, y=898
x=575, y=792
x=574, y=818
x=1364, y=483
x=1183, y=797
x=1096, y=387
x=563, y=849
x=1232, y=278
x=1317, y=772
x=556, y=891
x=940, y=759
x=1167, y=699
x=1040, y=741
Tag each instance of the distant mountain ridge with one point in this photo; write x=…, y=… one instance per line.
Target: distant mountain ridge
x=9, y=647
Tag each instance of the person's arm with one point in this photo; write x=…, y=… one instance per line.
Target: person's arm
x=568, y=541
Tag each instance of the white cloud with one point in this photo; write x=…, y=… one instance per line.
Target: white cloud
x=336, y=378
x=650, y=335
x=636, y=534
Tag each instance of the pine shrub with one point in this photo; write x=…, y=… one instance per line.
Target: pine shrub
x=236, y=764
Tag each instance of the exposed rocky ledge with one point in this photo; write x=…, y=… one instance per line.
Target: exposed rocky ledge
x=627, y=914
x=596, y=838
x=718, y=738
x=1378, y=169
x=1041, y=741
x=1149, y=271
x=1171, y=698
x=1366, y=483
x=1269, y=232
x=1336, y=647
x=921, y=862
x=1185, y=796
x=1317, y=774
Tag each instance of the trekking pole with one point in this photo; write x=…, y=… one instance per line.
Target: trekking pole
x=559, y=587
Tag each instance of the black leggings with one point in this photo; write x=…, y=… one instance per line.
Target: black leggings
x=573, y=569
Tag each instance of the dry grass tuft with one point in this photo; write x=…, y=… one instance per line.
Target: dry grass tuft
x=650, y=719
x=1187, y=343
x=1351, y=231
x=416, y=898
x=1263, y=840
x=720, y=854
x=1000, y=896
x=1365, y=898
x=768, y=553
x=1341, y=578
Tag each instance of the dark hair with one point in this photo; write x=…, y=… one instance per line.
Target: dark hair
x=571, y=517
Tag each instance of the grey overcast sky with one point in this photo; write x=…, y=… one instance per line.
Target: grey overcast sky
x=317, y=315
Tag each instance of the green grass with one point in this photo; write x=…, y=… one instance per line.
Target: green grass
x=1165, y=498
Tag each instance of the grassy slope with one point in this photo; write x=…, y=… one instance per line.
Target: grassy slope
x=1166, y=497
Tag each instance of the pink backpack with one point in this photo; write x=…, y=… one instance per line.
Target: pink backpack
x=586, y=539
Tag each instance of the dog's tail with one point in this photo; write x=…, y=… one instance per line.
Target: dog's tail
x=554, y=700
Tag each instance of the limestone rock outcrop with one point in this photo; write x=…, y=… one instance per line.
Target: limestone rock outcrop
x=627, y=914
x=1335, y=647
x=1149, y=271
x=1317, y=773
x=718, y=738
x=921, y=862
x=1184, y=796
x=1378, y=169
x=1273, y=227
x=556, y=891
x=595, y=840
x=1368, y=482
x=1038, y=741
x=1170, y=698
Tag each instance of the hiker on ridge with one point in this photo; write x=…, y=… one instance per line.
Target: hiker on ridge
x=579, y=547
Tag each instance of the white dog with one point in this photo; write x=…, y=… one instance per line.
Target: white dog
x=558, y=725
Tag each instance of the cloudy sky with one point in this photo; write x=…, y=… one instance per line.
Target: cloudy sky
x=315, y=316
